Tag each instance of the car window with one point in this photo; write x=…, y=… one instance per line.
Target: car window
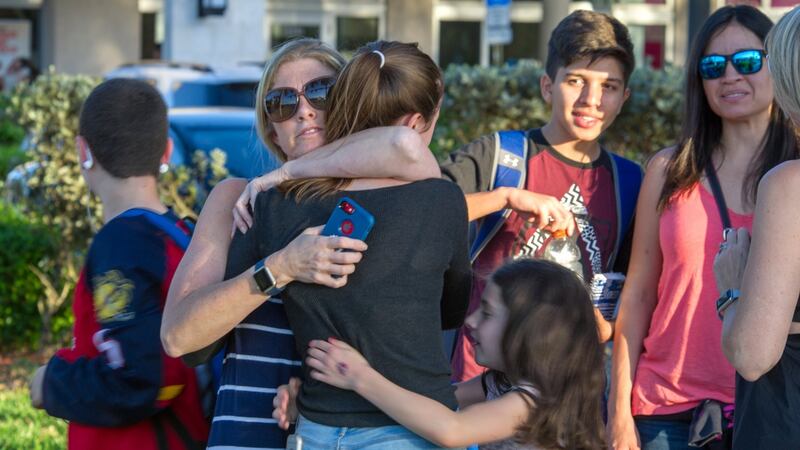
x=196, y=93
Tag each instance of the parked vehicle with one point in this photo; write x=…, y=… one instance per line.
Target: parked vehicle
x=229, y=129
x=186, y=84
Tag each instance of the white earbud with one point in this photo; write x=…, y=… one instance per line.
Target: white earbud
x=89, y=163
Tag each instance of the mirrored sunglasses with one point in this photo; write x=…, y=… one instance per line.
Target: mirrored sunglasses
x=281, y=103
x=746, y=62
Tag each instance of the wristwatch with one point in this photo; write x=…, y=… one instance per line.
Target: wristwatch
x=730, y=296
x=265, y=280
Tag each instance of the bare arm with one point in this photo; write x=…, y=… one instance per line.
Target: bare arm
x=338, y=364
x=199, y=308
x=638, y=299
x=285, y=406
x=385, y=152
x=756, y=327
x=187, y=324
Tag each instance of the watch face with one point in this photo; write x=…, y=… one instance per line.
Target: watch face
x=263, y=277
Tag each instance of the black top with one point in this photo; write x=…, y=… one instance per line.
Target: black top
x=768, y=409
x=412, y=281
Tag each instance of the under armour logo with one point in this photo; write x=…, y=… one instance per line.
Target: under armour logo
x=510, y=161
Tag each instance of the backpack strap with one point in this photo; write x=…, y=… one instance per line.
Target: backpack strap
x=173, y=229
x=510, y=164
x=628, y=178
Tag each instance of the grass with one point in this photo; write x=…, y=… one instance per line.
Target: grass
x=21, y=426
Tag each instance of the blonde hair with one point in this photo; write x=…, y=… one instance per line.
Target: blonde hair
x=384, y=81
x=293, y=50
x=784, y=62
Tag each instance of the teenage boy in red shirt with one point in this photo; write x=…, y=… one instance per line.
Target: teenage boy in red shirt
x=116, y=386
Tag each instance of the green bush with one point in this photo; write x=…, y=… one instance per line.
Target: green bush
x=59, y=199
x=24, y=244
x=482, y=100
x=11, y=135
x=11, y=155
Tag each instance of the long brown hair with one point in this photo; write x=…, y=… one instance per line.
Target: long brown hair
x=702, y=128
x=550, y=342
x=367, y=95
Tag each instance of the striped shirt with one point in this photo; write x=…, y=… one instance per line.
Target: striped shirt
x=260, y=356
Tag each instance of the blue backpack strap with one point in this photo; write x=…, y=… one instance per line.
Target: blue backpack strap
x=510, y=164
x=178, y=235
x=627, y=181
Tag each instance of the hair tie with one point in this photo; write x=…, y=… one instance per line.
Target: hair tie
x=383, y=58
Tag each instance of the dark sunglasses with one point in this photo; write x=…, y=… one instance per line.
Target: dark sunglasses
x=745, y=62
x=281, y=103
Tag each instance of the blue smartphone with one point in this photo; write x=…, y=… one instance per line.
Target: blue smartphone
x=349, y=219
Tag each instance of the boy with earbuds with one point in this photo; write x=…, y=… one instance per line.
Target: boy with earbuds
x=116, y=386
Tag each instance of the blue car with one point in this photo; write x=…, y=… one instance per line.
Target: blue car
x=231, y=130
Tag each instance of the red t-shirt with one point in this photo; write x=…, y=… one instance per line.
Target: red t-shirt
x=587, y=189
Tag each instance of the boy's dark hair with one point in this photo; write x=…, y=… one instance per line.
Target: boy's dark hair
x=589, y=34
x=550, y=342
x=124, y=121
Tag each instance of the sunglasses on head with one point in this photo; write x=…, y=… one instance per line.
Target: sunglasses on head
x=745, y=62
x=281, y=103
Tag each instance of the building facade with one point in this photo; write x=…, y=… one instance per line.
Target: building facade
x=94, y=36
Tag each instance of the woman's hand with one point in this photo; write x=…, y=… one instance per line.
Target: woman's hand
x=311, y=258
x=285, y=403
x=731, y=259
x=242, y=218
x=622, y=433
x=336, y=363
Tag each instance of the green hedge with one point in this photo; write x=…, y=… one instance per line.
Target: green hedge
x=24, y=243
x=481, y=100
x=59, y=204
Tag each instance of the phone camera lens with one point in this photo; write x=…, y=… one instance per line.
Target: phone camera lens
x=347, y=207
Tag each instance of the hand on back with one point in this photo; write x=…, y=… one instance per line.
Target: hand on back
x=336, y=363
x=311, y=258
x=242, y=217
x=285, y=403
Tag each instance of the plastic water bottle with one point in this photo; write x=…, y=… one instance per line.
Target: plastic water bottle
x=562, y=250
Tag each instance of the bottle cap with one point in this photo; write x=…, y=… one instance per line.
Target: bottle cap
x=560, y=234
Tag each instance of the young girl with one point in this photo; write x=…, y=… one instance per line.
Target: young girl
x=534, y=331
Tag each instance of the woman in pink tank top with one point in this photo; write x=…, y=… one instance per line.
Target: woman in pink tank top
x=667, y=351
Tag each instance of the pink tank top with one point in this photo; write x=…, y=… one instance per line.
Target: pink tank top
x=682, y=361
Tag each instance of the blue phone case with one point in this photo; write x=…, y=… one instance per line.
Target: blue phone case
x=349, y=219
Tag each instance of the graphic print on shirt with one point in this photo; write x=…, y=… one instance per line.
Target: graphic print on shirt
x=573, y=200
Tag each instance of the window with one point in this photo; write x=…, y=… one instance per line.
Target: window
x=281, y=33
x=459, y=43
x=648, y=44
x=150, y=48
x=524, y=43
x=353, y=32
